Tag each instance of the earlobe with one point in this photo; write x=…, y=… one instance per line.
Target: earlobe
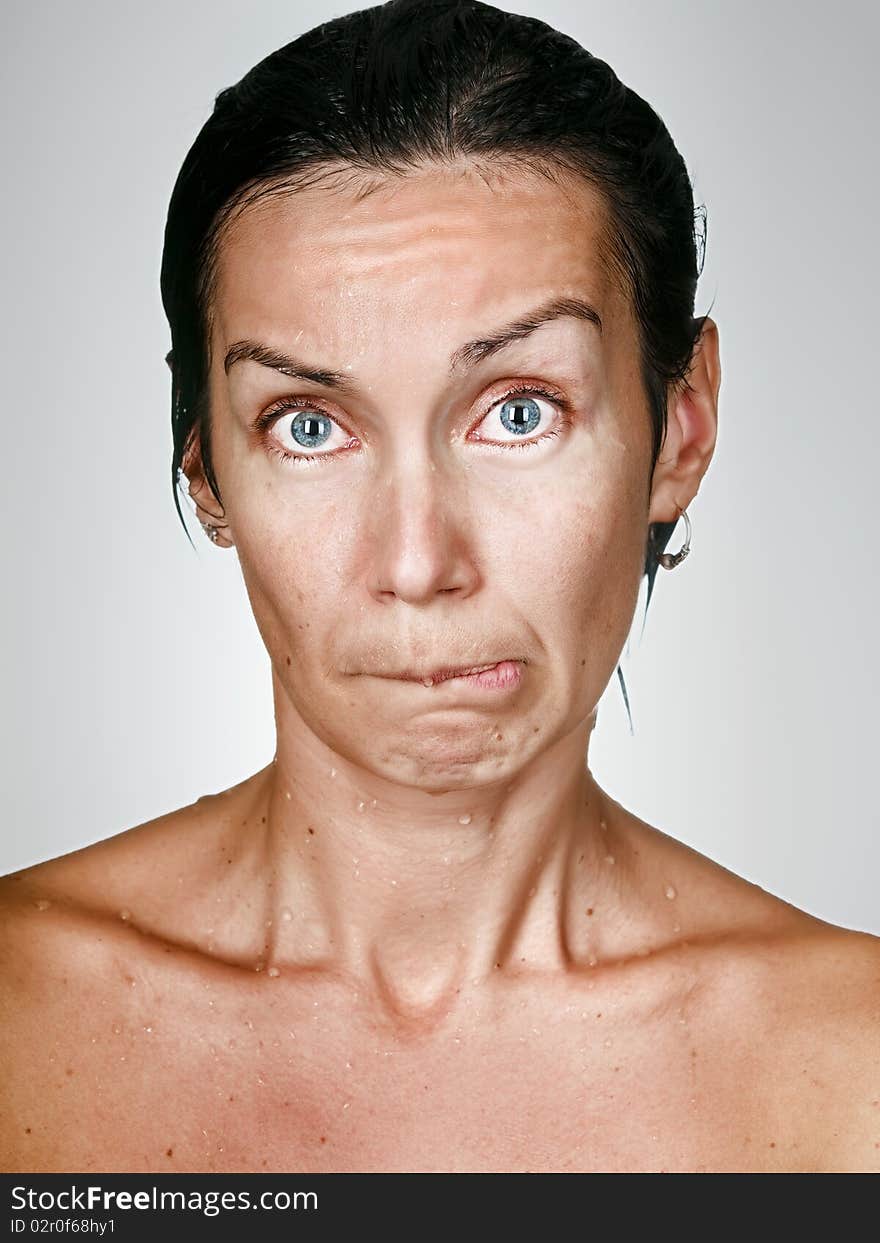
x=207, y=508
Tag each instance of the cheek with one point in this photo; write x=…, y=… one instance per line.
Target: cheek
x=289, y=569
x=581, y=571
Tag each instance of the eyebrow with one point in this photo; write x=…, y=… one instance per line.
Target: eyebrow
x=465, y=357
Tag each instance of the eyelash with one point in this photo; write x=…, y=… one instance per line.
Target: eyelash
x=275, y=411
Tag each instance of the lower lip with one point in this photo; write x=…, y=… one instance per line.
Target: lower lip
x=504, y=676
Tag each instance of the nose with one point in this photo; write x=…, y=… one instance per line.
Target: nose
x=420, y=534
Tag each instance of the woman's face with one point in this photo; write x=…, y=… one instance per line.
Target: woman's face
x=404, y=514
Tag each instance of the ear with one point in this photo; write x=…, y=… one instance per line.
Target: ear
x=691, y=431
x=208, y=508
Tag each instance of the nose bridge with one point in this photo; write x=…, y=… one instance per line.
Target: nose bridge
x=419, y=536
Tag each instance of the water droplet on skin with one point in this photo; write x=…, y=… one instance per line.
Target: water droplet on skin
x=361, y=805
x=42, y=904
x=148, y=1029
x=250, y=1024
x=273, y=971
x=125, y=913
x=286, y=914
x=116, y=1028
x=373, y=802
x=287, y=794
x=346, y=1105
x=671, y=891
x=532, y=891
x=609, y=858
x=607, y=1044
x=676, y=927
x=332, y=772
x=592, y=961
x=603, y=826
x=394, y=883
x=427, y=682
x=464, y=819
x=260, y=965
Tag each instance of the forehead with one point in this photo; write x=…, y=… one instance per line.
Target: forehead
x=438, y=247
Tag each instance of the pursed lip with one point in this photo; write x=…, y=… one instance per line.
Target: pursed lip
x=443, y=675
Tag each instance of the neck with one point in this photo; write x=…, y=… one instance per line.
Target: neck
x=415, y=895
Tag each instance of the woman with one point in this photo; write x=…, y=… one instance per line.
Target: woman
x=430, y=275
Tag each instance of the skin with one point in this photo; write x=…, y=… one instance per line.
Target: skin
x=423, y=937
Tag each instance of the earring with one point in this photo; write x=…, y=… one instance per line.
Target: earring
x=211, y=531
x=670, y=560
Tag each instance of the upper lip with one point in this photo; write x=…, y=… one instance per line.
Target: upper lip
x=450, y=671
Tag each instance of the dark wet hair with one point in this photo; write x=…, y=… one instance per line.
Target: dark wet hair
x=391, y=88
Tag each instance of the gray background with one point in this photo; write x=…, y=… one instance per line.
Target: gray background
x=135, y=679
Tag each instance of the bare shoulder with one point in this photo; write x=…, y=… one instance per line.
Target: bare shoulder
x=830, y=1002
x=60, y=920
x=77, y=932
x=795, y=1007
x=143, y=869
x=790, y=1000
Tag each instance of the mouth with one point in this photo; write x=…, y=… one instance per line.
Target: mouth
x=503, y=670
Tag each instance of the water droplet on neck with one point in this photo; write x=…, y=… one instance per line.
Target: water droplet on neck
x=125, y=913
x=671, y=891
x=332, y=772
x=286, y=914
x=466, y=819
x=609, y=858
x=273, y=971
x=361, y=805
x=42, y=904
x=287, y=794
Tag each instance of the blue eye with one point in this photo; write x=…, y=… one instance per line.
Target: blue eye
x=310, y=429
x=520, y=414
